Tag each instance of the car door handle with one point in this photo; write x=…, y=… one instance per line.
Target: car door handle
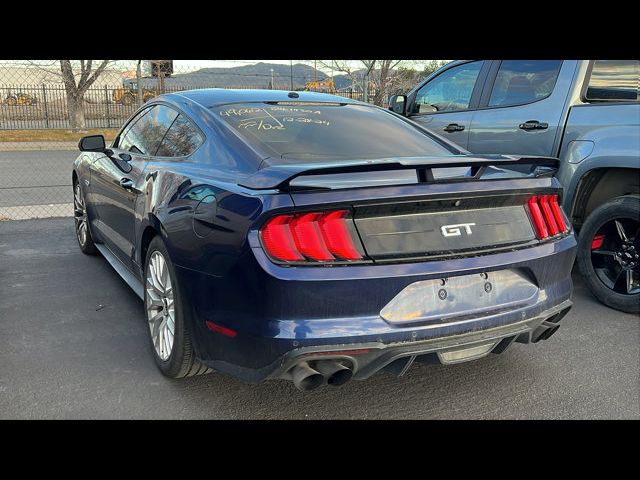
x=533, y=125
x=453, y=127
x=126, y=183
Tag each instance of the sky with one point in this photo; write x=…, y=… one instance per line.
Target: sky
x=189, y=65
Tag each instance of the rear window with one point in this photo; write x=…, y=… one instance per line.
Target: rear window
x=306, y=131
x=524, y=81
x=614, y=80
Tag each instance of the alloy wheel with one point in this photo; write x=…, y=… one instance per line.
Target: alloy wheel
x=615, y=255
x=80, y=215
x=160, y=305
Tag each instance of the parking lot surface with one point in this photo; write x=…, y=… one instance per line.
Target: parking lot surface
x=73, y=344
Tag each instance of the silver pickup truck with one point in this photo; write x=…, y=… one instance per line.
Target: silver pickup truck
x=587, y=113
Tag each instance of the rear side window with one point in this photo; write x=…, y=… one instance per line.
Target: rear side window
x=524, y=81
x=314, y=132
x=614, y=80
x=145, y=135
x=181, y=140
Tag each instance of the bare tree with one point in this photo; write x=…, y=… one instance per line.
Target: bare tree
x=342, y=67
x=76, y=85
x=382, y=78
x=385, y=77
x=377, y=75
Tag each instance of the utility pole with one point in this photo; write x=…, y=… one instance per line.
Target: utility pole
x=315, y=70
x=272, y=86
x=291, y=64
x=139, y=83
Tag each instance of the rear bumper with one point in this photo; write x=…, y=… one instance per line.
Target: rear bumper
x=398, y=357
x=280, y=314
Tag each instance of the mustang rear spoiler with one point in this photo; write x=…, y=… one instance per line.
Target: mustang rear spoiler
x=279, y=176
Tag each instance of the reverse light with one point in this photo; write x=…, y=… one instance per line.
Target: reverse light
x=546, y=216
x=310, y=237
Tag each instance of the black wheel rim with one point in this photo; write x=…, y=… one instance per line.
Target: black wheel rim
x=615, y=255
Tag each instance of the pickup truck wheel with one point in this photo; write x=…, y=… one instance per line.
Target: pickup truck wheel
x=609, y=253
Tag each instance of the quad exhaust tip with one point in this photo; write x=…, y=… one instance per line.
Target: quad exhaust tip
x=335, y=372
x=305, y=377
x=332, y=372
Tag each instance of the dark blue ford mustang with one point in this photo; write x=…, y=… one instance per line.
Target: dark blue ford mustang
x=314, y=238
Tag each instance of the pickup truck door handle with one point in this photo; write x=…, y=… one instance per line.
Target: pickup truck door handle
x=533, y=125
x=453, y=127
x=126, y=183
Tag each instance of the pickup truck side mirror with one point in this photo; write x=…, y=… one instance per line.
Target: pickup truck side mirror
x=398, y=104
x=92, y=143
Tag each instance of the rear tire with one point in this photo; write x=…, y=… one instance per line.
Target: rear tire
x=169, y=333
x=602, y=278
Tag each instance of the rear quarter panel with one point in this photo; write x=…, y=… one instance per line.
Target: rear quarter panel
x=598, y=136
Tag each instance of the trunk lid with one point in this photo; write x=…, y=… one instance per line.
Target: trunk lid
x=417, y=221
x=420, y=208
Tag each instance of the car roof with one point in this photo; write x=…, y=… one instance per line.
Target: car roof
x=210, y=97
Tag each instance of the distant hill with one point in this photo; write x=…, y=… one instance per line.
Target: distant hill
x=250, y=76
x=245, y=76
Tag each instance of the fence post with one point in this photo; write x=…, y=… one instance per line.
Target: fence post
x=106, y=98
x=140, y=93
x=46, y=107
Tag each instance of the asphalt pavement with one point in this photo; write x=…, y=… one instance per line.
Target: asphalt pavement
x=73, y=344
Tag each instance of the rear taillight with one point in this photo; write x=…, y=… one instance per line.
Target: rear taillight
x=310, y=237
x=546, y=216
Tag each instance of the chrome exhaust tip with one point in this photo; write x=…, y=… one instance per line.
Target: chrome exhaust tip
x=335, y=372
x=306, y=378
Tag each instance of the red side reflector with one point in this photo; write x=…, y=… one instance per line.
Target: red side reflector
x=278, y=240
x=220, y=329
x=308, y=237
x=557, y=213
x=548, y=214
x=597, y=242
x=538, y=220
x=337, y=235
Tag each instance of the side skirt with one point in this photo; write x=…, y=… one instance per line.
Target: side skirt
x=124, y=272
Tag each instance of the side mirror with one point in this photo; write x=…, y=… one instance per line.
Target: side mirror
x=92, y=143
x=398, y=104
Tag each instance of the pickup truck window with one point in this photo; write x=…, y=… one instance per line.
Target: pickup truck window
x=448, y=92
x=614, y=80
x=524, y=81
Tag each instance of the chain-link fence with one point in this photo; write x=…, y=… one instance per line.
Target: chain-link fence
x=46, y=106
